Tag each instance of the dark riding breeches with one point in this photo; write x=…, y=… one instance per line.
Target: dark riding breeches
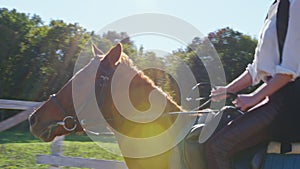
x=246, y=131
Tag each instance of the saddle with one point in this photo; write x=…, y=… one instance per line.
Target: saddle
x=269, y=155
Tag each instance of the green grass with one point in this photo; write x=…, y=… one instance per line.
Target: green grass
x=19, y=150
x=27, y=137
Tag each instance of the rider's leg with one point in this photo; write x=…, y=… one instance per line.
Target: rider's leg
x=244, y=132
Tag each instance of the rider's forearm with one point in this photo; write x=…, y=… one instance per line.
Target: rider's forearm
x=272, y=86
x=241, y=82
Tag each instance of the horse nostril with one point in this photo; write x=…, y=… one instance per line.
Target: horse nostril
x=32, y=120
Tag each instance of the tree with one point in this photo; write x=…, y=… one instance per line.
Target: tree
x=36, y=59
x=235, y=49
x=14, y=46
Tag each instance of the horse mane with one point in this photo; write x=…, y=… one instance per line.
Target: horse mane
x=126, y=60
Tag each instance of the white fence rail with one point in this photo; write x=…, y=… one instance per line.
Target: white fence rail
x=16, y=105
x=56, y=160
x=79, y=162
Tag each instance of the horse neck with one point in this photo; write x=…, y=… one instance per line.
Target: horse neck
x=141, y=90
x=141, y=87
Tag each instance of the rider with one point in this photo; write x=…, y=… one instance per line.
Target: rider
x=271, y=109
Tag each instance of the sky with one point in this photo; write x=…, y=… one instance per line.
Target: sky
x=206, y=16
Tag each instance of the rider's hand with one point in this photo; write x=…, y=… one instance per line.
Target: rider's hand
x=219, y=93
x=245, y=101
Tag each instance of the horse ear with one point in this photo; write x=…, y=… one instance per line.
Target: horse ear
x=114, y=55
x=96, y=51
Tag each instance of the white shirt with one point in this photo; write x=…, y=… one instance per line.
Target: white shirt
x=266, y=58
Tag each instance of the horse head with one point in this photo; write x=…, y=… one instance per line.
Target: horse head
x=57, y=116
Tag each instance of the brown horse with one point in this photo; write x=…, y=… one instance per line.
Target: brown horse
x=146, y=144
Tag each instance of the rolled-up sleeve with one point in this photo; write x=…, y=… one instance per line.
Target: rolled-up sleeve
x=291, y=51
x=251, y=68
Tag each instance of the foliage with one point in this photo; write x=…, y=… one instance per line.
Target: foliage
x=235, y=50
x=36, y=59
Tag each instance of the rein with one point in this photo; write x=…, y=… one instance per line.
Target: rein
x=198, y=110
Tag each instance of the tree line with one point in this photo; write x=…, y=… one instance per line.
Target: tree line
x=36, y=59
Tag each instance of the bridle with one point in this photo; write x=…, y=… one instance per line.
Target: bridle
x=66, y=116
x=102, y=81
